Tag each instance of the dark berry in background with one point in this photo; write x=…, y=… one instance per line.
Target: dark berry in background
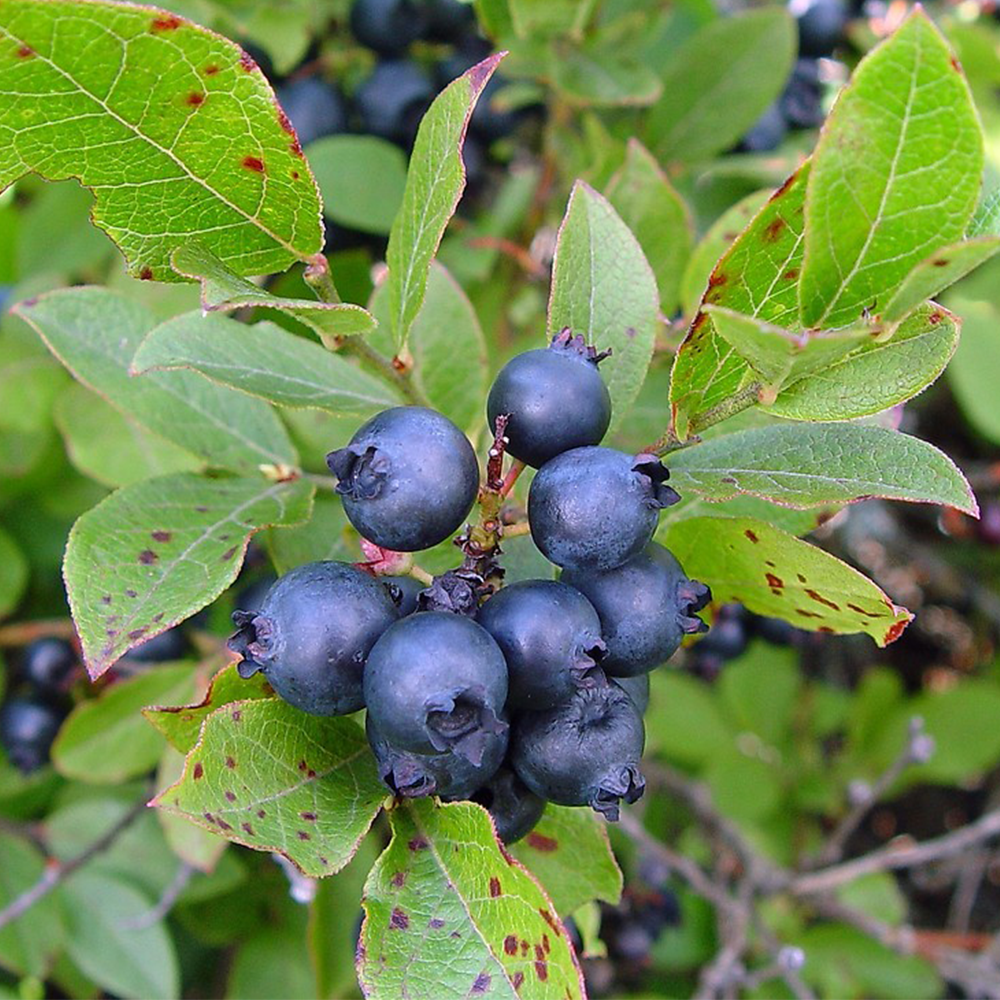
x=802, y=100
x=436, y=682
x=314, y=108
x=393, y=99
x=170, y=645
x=388, y=27
x=822, y=24
x=584, y=752
x=449, y=21
x=312, y=635
x=768, y=131
x=48, y=664
x=555, y=398
x=514, y=808
x=408, y=478
x=646, y=607
x=595, y=508
x=550, y=636
x=28, y=726
x=727, y=639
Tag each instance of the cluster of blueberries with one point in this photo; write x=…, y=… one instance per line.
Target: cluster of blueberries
x=512, y=695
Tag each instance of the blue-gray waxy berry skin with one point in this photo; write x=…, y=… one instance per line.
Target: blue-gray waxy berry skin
x=28, y=727
x=514, y=807
x=646, y=607
x=595, y=508
x=637, y=688
x=584, y=752
x=408, y=478
x=550, y=636
x=435, y=682
x=48, y=664
x=312, y=635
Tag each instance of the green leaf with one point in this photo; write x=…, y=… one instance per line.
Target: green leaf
x=263, y=360
x=779, y=576
x=274, y=962
x=684, y=722
x=326, y=535
x=113, y=447
x=13, y=574
x=717, y=85
x=361, y=179
x=895, y=176
x=30, y=381
x=986, y=218
x=444, y=874
x=658, y=217
x=105, y=740
x=761, y=690
x=270, y=777
x=448, y=347
x=95, y=333
x=814, y=465
x=879, y=374
x=599, y=73
x=216, y=162
x=223, y=290
x=156, y=552
x=971, y=373
x=28, y=944
x=193, y=845
x=757, y=276
x=434, y=185
x=545, y=18
x=568, y=852
x=130, y=962
x=182, y=724
x=932, y=276
x=604, y=289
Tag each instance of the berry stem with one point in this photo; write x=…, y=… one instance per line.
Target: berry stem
x=419, y=573
x=317, y=276
x=511, y=478
x=516, y=530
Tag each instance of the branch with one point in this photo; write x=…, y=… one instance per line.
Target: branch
x=56, y=872
x=165, y=903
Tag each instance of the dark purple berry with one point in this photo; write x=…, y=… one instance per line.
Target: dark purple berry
x=514, y=808
x=28, y=728
x=392, y=101
x=48, y=664
x=387, y=26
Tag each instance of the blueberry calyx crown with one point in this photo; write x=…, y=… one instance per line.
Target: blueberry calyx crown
x=625, y=782
x=251, y=641
x=586, y=667
x=457, y=591
x=360, y=473
x=407, y=778
x=692, y=597
x=461, y=722
x=577, y=348
x=657, y=473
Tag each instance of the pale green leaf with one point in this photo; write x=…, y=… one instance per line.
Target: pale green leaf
x=95, y=333
x=545, y=18
x=193, y=845
x=434, y=185
x=814, y=465
x=779, y=576
x=271, y=777
x=986, y=218
x=972, y=373
x=326, y=535
x=13, y=574
x=597, y=72
x=604, y=289
x=895, y=176
x=444, y=874
x=215, y=162
x=154, y=553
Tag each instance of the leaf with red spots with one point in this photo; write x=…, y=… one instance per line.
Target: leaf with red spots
x=569, y=853
x=814, y=465
x=270, y=777
x=177, y=136
x=449, y=913
x=182, y=724
x=780, y=576
x=125, y=586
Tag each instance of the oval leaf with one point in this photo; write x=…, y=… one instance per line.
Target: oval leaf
x=13, y=574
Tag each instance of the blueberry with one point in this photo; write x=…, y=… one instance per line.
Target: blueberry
x=555, y=398
x=585, y=752
x=387, y=26
x=314, y=108
x=514, y=808
x=448, y=774
x=768, y=131
x=595, y=508
x=170, y=645
x=435, y=682
x=48, y=664
x=312, y=635
x=408, y=478
x=728, y=637
x=645, y=607
x=393, y=99
x=27, y=729
x=489, y=118
x=637, y=688
x=407, y=589
x=777, y=631
x=802, y=99
x=550, y=636
x=821, y=27
x=449, y=20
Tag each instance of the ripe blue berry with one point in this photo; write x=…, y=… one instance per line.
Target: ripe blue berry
x=314, y=108
x=393, y=99
x=821, y=27
x=637, y=688
x=767, y=132
x=585, y=752
x=514, y=808
x=407, y=589
x=170, y=645
x=386, y=26
x=436, y=682
x=408, y=478
x=313, y=633
x=555, y=398
x=27, y=729
x=594, y=508
x=550, y=636
x=448, y=774
x=645, y=607
x=48, y=664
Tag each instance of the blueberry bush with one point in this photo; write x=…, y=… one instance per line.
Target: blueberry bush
x=539, y=379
